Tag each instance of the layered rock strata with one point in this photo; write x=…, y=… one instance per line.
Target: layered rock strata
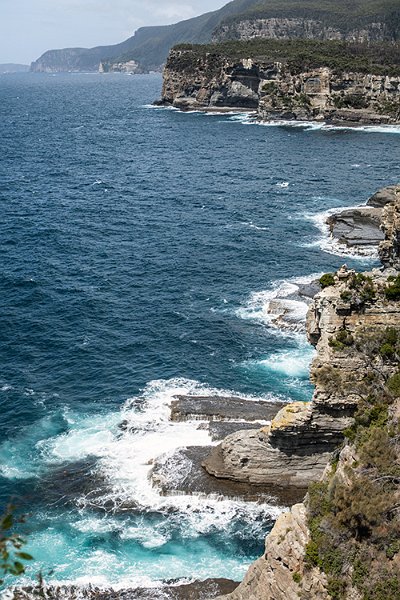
x=182, y=471
x=277, y=90
x=292, y=28
x=199, y=590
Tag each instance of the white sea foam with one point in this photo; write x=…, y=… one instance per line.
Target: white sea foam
x=125, y=458
x=253, y=226
x=280, y=306
x=290, y=363
x=323, y=126
x=328, y=243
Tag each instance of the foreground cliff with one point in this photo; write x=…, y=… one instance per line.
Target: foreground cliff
x=342, y=543
x=300, y=80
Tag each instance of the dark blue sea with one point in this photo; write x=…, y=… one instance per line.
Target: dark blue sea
x=140, y=249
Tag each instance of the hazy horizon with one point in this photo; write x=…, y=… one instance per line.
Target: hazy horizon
x=28, y=28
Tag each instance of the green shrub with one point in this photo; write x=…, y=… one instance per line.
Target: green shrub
x=393, y=385
x=346, y=295
x=392, y=292
x=336, y=588
x=311, y=556
x=342, y=340
x=327, y=280
x=12, y=555
x=297, y=577
x=391, y=336
x=387, y=351
x=393, y=549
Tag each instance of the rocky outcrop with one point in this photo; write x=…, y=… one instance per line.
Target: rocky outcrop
x=292, y=28
x=198, y=590
x=365, y=227
x=222, y=408
x=182, y=472
x=295, y=448
x=277, y=90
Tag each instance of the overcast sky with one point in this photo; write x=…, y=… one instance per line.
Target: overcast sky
x=30, y=27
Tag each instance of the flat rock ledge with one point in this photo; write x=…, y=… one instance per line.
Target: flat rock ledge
x=249, y=457
x=218, y=408
x=362, y=227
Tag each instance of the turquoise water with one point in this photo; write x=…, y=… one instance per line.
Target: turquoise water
x=140, y=250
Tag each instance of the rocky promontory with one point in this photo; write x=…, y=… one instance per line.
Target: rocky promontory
x=292, y=80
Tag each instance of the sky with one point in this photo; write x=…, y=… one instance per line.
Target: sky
x=30, y=27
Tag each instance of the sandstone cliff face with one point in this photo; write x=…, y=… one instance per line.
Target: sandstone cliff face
x=326, y=95
x=271, y=577
x=292, y=28
x=277, y=91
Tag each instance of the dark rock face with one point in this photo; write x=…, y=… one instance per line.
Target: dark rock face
x=389, y=249
x=183, y=473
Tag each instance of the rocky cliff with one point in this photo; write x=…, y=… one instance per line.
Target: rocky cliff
x=293, y=80
x=343, y=541
x=292, y=28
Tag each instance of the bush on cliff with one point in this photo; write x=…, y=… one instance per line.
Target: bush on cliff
x=327, y=280
x=392, y=291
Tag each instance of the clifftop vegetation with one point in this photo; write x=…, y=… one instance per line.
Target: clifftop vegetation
x=300, y=55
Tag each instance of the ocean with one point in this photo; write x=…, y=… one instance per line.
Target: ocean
x=140, y=249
